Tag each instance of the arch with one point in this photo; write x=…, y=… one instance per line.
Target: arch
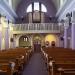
x=29, y=8
x=22, y=7
x=43, y=8
x=52, y=38
x=24, y=41
x=36, y=7
x=37, y=43
x=37, y=39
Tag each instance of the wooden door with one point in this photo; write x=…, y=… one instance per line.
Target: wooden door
x=37, y=47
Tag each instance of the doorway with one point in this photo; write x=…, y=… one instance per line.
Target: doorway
x=37, y=43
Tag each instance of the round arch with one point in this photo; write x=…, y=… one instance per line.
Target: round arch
x=37, y=39
x=52, y=39
x=36, y=7
x=22, y=6
x=24, y=41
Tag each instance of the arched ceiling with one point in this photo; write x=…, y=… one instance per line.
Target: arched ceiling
x=50, y=5
x=56, y=3
x=15, y=3
x=59, y=3
x=20, y=6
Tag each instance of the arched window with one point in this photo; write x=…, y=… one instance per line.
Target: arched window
x=43, y=8
x=37, y=7
x=29, y=8
x=25, y=38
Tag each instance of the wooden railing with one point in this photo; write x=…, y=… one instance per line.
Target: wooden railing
x=37, y=27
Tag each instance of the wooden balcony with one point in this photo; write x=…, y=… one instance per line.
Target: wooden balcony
x=36, y=28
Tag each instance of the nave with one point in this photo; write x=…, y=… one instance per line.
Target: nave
x=36, y=65
x=47, y=61
x=22, y=61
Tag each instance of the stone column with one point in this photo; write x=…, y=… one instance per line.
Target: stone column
x=7, y=37
x=65, y=38
x=2, y=32
x=66, y=25
x=73, y=31
x=73, y=35
x=0, y=36
x=5, y=34
x=15, y=40
x=11, y=38
x=31, y=40
x=3, y=38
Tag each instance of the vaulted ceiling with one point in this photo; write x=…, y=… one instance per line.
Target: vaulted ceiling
x=51, y=6
x=17, y=8
x=55, y=2
x=15, y=3
x=20, y=6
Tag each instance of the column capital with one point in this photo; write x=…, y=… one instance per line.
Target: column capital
x=73, y=17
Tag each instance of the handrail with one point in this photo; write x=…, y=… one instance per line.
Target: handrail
x=36, y=26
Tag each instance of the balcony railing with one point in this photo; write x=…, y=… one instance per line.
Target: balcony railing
x=37, y=27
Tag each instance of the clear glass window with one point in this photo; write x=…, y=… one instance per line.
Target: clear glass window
x=37, y=7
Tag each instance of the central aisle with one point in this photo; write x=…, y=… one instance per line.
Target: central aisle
x=36, y=66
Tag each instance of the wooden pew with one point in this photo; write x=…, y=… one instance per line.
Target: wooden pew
x=61, y=61
x=14, y=59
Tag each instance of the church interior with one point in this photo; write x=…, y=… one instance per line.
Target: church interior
x=37, y=37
